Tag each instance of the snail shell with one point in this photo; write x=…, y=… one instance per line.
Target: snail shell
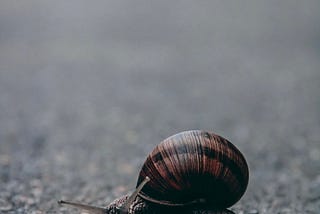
x=194, y=167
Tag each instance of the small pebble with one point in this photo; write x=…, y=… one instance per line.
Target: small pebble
x=253, y=212
x=285, y=211
x=5, y=205
x=4, y=160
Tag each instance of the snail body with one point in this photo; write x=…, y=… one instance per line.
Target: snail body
x=141, y=206
x=190, y=172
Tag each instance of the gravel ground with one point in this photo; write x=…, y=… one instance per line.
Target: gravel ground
x=88, y=89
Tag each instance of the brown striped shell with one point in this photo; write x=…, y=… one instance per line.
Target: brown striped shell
x=195, y=167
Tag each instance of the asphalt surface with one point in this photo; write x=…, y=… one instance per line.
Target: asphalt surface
x=87, y=89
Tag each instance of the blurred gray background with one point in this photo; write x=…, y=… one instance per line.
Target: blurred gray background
x=88, y=88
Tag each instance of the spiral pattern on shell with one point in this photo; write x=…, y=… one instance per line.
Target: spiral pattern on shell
x=195, y=167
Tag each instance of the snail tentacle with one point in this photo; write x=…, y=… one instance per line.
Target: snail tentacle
x=124, y=209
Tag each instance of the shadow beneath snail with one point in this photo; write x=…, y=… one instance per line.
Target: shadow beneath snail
x=212, y=212
x=186, y=210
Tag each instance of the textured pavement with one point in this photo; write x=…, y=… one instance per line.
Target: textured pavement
x=87, y=89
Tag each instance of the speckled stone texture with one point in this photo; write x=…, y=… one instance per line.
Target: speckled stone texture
x=87, y=89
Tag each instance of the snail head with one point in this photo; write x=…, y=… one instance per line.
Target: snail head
x=122, y=207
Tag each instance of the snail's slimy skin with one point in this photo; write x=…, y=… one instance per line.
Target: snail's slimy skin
x=140, y=206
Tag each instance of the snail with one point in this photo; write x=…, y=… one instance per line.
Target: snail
x=196, y=172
